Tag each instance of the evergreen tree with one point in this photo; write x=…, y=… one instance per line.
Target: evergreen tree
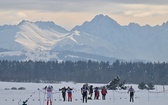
x=142, y=86
x=116, y=84
x=150, y=86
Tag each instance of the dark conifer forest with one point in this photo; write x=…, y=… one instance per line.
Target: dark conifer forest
x=83, y=71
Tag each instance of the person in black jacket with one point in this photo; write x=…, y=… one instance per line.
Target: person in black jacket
x=84, y=90
x=91, y=91
x=96, y=93
x=63, y=90
x=131, y=91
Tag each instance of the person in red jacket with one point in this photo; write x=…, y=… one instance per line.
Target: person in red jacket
x=104, y=92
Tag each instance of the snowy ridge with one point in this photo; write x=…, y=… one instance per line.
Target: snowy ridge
x=101, y=36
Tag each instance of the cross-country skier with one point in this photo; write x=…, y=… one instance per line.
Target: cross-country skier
x=104, y=92
x=96, y=93
x=69, y=91
x=49, y=94
x=84, y=90
x=90, y=91
x=131, y=91
x=63, y=90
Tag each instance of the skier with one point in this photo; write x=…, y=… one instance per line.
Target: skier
x=103, y=92
x=63, y=90
x=90, y=91
x=96, y=93
x=131, y=91
x=69, y=90
x=84, y=90
x=49, y=94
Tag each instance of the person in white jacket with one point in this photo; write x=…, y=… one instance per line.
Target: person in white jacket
x=49, y=90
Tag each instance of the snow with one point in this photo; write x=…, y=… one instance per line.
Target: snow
x=11, y=53
x=32, y=37
x=118, y=97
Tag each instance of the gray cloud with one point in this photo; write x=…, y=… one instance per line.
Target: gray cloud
x=69, y=5
x=45, y=5
x=152, y=2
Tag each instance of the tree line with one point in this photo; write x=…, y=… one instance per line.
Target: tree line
x=83, y=71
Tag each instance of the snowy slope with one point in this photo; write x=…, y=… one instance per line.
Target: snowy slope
x=101, y=36
x=34, y=38
x=7, y=38
x=83, y=42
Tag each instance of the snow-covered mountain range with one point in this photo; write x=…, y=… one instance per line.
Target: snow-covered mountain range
x=102, y=38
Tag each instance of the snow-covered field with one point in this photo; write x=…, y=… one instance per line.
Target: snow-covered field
x=35, y=95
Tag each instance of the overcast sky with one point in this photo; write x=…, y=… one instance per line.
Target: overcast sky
x=69, y=13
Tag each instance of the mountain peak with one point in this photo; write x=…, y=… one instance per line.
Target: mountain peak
x=99, y=22
x=101, y=16
x=22, y=22
x=165, y=24
x=104, y=19
x=50, y=25
x=132, y=24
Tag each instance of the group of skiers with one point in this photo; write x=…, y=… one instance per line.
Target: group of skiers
x=49, y=92
x=84, y=91
x=97, y=93
x=69, y=91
